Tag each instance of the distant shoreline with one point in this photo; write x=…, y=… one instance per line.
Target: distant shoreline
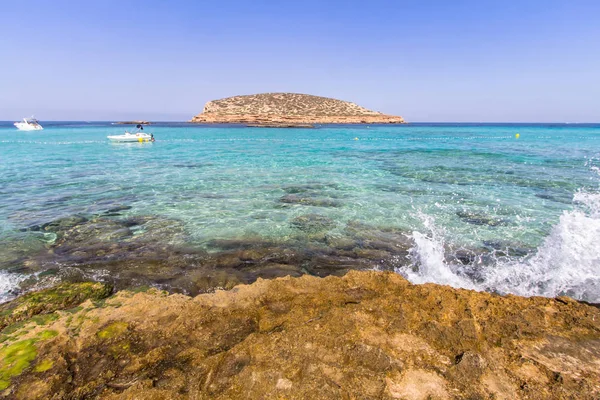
x=132, y=123
x=414, y=123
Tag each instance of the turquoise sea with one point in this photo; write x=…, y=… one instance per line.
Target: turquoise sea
x=468, y=205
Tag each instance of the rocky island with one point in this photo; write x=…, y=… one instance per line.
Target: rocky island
x=288, y=110
x=366, y=335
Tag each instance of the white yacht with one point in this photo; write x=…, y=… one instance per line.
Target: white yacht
x=29, y=124
x=137, y=136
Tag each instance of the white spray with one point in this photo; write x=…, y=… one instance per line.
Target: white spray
x=567, y=262
x=8, y=282
x=427, y=257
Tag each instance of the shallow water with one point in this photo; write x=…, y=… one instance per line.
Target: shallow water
x=437, y=190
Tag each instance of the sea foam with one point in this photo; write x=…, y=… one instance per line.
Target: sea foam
x=566, y=263
x=8, y=283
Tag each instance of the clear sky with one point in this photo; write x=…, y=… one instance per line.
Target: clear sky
x=443, y=60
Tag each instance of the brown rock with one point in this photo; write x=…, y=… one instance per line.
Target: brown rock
x=365, y=335
x=289, y=110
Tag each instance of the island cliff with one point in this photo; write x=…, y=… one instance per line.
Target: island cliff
x=367, y=335
x=289, y=109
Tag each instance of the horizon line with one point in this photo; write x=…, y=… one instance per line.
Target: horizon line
x=405, y=123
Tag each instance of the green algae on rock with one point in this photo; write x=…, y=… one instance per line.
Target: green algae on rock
x=45, y=302
x=44, y=365
x=14, y=358
x=364, y=335
x=112, y=330
x=47, y=334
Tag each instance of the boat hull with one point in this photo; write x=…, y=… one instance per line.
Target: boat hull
x=22, y=126
x=141, y=138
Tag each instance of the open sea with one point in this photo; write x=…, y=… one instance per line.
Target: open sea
x=205, y=207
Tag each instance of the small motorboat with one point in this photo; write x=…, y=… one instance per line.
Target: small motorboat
x=29, y=124
x=129, y=137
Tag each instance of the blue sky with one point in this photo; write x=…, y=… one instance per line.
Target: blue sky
x=432, y=60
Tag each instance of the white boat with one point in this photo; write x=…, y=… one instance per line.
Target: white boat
x=29, y=124
x=137, y=136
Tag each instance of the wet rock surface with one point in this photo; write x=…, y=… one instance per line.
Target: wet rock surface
x=147, y=250
x=365, y=335
x=127, y=251
x=47, y=301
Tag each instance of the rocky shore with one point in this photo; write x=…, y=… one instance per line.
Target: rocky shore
x=292, y=125
x=140, y=122
x=125, y=250
x=364, y=335
x=128, y=251
x=289, y=109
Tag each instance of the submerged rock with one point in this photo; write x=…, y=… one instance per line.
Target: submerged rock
x=366, y=335
x=564, y=197
x=502, y=248
x=309, y=188
x=309, y=200
x=312, y=223
x=390, y=240
x=116, y=210
x=63, y=224
x=480, y=219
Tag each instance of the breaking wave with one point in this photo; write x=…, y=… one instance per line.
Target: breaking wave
x=428, y=262
x=566, y=263
x=8, y=284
